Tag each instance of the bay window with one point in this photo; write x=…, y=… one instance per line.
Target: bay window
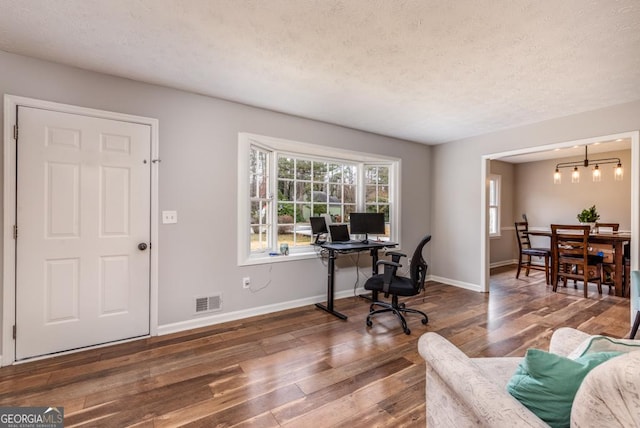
x=288, y=182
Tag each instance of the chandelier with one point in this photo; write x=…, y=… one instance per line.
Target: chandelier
x=596, y=173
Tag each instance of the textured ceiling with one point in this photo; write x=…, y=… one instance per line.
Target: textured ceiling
x=430, y=71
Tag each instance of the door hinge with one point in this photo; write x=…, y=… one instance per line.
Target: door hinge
x=15, y=232
x=14, y=331
x=15, y=132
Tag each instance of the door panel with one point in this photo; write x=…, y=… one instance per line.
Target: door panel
x=83, y=206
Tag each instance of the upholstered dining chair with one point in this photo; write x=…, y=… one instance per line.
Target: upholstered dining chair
x=389, y=283
x=571, y=258
x=526, y=252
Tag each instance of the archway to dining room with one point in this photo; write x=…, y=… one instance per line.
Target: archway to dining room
x=525, y=184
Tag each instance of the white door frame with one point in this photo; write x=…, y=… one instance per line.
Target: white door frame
x=11, y=103
x=635, y=195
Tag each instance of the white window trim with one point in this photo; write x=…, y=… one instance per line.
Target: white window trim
x=498, y=179
x=278, y=145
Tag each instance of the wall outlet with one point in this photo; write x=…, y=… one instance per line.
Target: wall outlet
x=169, y=217
x=246, y=282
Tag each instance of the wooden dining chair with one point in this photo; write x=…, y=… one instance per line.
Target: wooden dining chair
x=613, y=226
x=608, y=267
x=526, y=251
x=571, y=258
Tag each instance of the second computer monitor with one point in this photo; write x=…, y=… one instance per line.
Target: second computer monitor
x=367, y=223
x=318, y=228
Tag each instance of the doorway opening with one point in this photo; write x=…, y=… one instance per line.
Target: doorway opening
x=552, y=151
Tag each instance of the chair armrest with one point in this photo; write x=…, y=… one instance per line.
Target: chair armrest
x=490, y=404
x=565, y=340
x=388, y=263
x=395, y=255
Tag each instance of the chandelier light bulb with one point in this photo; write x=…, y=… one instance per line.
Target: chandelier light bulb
x=557, y=177
x=618, y=172
x=575, y=175
x=597, y=175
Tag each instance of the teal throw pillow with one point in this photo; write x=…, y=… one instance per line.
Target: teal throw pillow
x=547, y=383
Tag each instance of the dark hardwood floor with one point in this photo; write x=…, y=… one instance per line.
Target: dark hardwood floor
x=303, y=367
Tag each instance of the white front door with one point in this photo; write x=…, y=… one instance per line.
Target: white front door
x=83, y=231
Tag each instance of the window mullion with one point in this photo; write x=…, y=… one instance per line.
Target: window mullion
x=361, y=186
x=273, y=197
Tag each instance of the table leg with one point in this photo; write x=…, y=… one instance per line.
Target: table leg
x=331, y=265
x=373, y=296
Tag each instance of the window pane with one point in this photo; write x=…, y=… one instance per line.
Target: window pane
x=348, y=209
x=258, y=161
x=493, y=220
x=350, y=174
x=335, y=173
x=285, y=190
x=319, y=209
x=303, y=212
x=371, y=194
x=383, y=194
x=335, y=211
x=285, y=167
x=384, y=209
x=286, y=210
x=492, y=192
x=258, y=212
x=303, y=170
x=350, y=194
x=370, y=175
x=383, y=175
x=320, y=171
x=303, y=191
x=335, y=193
x=259, y=238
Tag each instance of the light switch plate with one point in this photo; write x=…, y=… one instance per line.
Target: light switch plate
x=169, y=217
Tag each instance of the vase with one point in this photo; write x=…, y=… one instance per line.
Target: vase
x=592, y=226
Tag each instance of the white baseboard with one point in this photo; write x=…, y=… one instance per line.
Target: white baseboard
x=503, y=263
x=267, y=309
x=246, y=313
x=456, y=283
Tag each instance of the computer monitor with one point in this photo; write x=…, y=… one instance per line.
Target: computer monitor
x=367, y=223
x=318, y=227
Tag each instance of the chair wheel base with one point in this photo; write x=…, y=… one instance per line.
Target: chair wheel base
x=398, y=311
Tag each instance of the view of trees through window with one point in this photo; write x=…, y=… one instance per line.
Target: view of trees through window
x=260, y=199
x=377, y=191
x=309, y=188
x=304, y=187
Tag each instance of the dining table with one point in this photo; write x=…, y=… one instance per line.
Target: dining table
x=616, y=240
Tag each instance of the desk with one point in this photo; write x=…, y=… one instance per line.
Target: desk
x=615, y=239
x=337, y=247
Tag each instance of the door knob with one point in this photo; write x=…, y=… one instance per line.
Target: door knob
x=142, y=246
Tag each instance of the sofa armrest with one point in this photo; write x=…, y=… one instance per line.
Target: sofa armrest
x=484, y=402
x=565, y=340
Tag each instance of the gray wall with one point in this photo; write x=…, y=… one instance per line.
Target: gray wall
x=198, y=147
x=457, y=189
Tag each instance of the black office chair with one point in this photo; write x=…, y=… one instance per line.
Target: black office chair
x=389, y=283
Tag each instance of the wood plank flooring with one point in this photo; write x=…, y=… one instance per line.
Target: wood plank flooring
x=303, y=367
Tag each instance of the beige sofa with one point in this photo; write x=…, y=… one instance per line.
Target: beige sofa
x=471, y=392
